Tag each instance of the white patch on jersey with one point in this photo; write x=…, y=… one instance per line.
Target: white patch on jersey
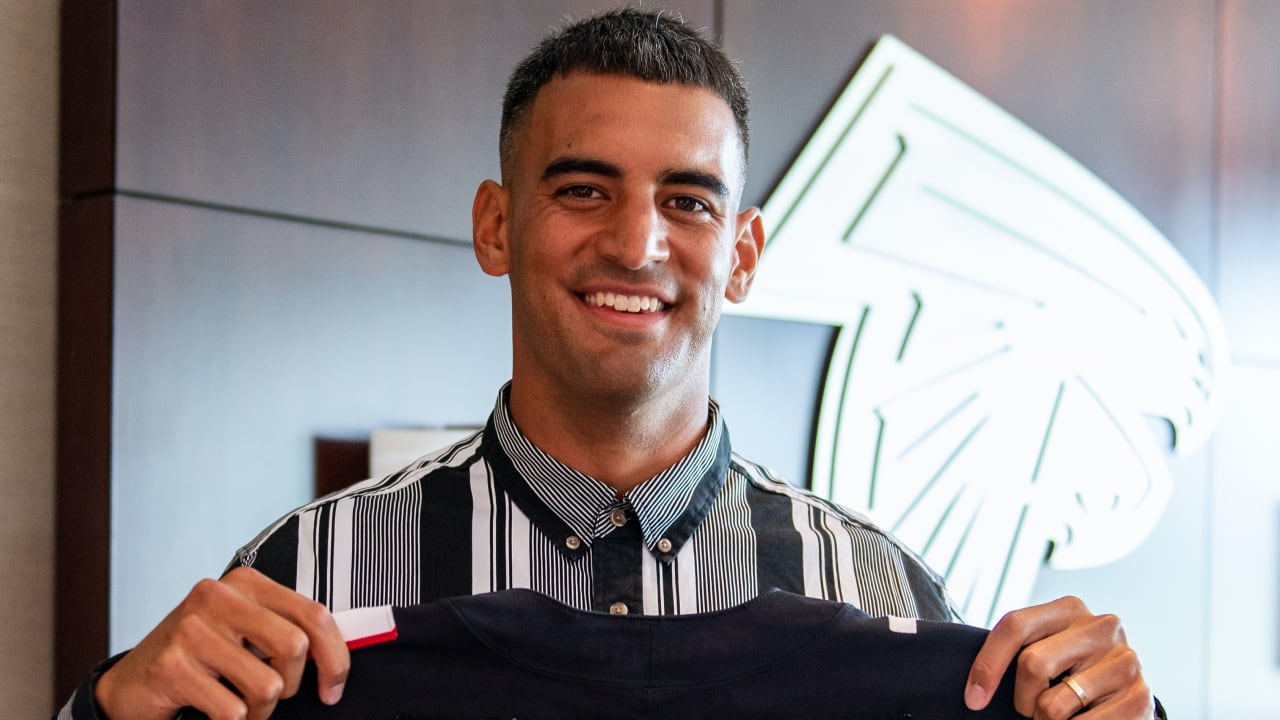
x=906, y=626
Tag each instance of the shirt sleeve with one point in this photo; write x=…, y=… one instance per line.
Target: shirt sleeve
x=81, y=705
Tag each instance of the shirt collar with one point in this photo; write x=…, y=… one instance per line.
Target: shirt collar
x=568, y=505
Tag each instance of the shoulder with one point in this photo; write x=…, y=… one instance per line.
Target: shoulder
x=431, y=468
x=765, y=480
x=812, y=515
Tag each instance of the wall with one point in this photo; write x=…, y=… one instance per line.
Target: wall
x=273, y=242
x=28, y=217
x=1243, y=577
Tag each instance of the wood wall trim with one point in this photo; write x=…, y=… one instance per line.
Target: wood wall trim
x=85, y=284
x=87, y=135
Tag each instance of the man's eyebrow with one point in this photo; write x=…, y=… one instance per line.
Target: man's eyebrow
x=697, y=177
x=588, y=166
x=566, y=166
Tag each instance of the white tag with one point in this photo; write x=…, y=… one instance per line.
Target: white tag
x=906, y=626
x=366, y=626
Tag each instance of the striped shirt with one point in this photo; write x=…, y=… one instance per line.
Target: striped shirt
x=493, y=512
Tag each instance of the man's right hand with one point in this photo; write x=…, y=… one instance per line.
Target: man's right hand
x=244, y=629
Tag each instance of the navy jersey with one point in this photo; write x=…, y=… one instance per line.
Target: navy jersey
x=519, y=654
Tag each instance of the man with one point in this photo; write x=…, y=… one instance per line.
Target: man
x=604, y=477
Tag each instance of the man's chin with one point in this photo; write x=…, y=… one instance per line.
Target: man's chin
x=624, y=380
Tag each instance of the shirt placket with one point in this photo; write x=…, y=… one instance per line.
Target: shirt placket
x=616, y=559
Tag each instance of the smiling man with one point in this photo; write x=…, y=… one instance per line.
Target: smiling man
x=619, y=228
x=605, y=477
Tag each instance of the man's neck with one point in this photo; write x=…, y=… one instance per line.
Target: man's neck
x=621, y=444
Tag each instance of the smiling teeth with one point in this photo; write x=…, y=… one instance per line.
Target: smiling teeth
x=624, y=303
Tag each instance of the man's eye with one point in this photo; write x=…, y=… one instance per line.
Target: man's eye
x=690, y=204
x=581, y=192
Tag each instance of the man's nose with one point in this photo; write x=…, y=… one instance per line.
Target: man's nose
x=636, y=236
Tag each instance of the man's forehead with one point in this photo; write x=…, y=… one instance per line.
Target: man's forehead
x=580, y=102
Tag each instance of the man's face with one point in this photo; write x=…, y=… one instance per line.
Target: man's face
x=620, y=232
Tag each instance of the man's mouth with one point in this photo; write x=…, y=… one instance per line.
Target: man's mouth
x=624, y=303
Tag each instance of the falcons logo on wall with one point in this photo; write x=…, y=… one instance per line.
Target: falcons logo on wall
x=1007, y=329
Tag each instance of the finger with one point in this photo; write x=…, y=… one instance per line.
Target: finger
x=313, y=631
x=153, y=682
x=269, y=640
x=260, y=685
x=1070, y=697
x=328, y=649
x=1015, y=631
x=1087, y=641
x=243, y=609
x=194, y=679
x=1002, y=644
x=234, y=611
x=1112, y=687
x=215, y=700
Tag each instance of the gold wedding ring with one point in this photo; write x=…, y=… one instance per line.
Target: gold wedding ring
x=1079, y=691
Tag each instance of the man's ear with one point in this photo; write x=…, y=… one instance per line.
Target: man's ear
x=489, y=228
x=747, y=246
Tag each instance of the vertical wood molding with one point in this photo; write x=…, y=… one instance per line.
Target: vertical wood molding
x=85, y=280
x=87, y=137
x=84, y=440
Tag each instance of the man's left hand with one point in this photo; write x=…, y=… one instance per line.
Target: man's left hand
x=1060, y=640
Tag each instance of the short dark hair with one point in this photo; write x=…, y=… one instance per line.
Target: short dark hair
x=654, y=46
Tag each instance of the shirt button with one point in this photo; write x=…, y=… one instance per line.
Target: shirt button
x=664, y=545
x=618, y=517
x=618, y=609
x=572, y=542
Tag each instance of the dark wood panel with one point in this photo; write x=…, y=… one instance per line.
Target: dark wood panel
x=1123, y=87
x=85, y=260
x=382, y=114
x=1249, y=229
x=339, y=463
x=87, y=121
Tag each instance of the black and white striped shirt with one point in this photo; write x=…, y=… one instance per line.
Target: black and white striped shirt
x=493, y=512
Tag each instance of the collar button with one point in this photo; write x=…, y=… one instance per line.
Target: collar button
x=618, y=517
